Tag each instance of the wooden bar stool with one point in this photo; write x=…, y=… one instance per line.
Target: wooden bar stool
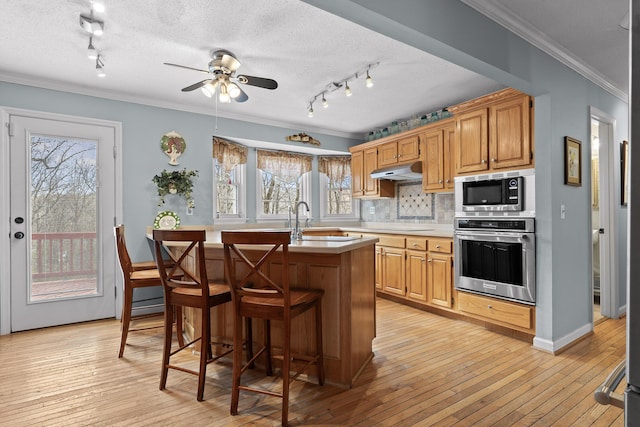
x=185, y=284
x=136, y=275
x=255, y=294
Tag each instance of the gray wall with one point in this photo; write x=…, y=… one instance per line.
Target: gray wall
x=142, y=128
x=457, y=33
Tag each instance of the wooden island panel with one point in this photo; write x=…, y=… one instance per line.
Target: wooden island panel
x=348, y=308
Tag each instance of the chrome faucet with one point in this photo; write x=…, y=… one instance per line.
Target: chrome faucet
x=297, y=232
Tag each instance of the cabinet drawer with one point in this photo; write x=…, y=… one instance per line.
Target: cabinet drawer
x=444, y=246
x=492, y=309
x=417, y=243
x=392, y=241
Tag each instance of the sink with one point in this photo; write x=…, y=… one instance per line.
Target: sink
x=330, y=238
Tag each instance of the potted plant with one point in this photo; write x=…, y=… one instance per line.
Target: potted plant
x=176, y=182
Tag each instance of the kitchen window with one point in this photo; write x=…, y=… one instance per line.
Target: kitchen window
x=336, y=201
x=283, y=179
x=229, y=170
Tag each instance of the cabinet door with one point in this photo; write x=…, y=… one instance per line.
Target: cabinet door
x=439, y=271
x=388, y=154
x=370, y=164
x=449, y=135
x=357, y=165
x=472, y=142
x=416, y=276
x=409, y=149
x=393, y=271
x=433, y=161
x=510, y=134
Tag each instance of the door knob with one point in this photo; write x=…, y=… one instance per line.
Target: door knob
x=19, y=235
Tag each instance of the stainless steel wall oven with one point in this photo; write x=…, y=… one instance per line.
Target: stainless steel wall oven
x=496, y=256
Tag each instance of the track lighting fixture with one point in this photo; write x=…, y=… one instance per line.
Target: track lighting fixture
x=100, y=66
x=347, y=89
x=369, y=80
x=91, y=25
x=92, y=53
x=333, y=86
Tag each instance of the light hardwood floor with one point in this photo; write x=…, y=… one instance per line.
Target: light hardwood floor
x=427, y=370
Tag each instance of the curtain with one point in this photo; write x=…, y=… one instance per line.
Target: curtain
x=337, y=168
x=229, y=154
x=282, y=163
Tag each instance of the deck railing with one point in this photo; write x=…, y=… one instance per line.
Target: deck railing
x=63, y=255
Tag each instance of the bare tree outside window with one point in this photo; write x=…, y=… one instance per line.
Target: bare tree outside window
x=227, y=191
x=282, y=175
x=64, y=190
x=338, y=172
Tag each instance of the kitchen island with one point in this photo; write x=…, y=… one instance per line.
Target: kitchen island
x=342, y=266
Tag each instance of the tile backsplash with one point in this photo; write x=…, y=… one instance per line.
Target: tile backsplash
x=410, y=206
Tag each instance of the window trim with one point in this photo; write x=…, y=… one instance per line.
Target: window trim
x=241, y=183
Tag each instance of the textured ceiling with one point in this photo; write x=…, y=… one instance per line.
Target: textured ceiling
x=300, y=46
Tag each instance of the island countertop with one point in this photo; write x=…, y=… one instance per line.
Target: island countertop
x=309, y=244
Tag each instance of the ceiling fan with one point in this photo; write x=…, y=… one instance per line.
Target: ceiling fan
x=222, y=71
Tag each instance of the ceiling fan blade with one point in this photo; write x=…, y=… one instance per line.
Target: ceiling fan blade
x=188, y=68
x=258, y=81
x=196, y=85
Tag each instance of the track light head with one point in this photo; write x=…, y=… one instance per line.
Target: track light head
x=91, y=25
x=369, y=80
x=347, y=89
x=325, y=103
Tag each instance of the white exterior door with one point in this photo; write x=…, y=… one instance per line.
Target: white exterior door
x=62, y=212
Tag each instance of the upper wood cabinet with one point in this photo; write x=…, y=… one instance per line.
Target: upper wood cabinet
x=437, y=159
x=510, y=133
x=363, y=162
x=493, y=133
x=400, y=151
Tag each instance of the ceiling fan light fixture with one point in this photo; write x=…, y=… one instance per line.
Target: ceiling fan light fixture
x=224, y=94
x=234, y=90
x=209, y=89
x=369, y=80
x=347, y=89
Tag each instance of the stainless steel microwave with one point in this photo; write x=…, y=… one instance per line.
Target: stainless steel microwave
x=507, y=192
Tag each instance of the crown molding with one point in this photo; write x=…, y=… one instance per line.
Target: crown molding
x=493, y=10
x=70, y=88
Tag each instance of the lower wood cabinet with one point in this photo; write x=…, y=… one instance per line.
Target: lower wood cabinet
x=504, y=313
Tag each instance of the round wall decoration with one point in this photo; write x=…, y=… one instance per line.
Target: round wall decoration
x=166, y=220
x=173, y=145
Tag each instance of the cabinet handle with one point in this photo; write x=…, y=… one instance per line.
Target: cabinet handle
x=429, y=260
x=483, y=161
x=440, y=182
x=437, y=246
x=489, y=306
x=448, y=181
x=493, y=160
x=422, y=259
x=415, y=244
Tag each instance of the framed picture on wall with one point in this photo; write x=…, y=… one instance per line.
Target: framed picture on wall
x=572, y=161
x=624, y=173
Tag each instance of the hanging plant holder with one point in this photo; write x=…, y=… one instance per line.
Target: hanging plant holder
x=176, y=182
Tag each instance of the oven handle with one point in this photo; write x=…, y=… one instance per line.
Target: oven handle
x=485, y=234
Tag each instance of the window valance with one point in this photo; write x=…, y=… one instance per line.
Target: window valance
x=337, y=168
x=229, y=154
x=284, y=163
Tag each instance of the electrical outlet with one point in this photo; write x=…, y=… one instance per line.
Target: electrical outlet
x=372, y=210
x=563, y=212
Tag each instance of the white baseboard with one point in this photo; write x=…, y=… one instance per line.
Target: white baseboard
x=147, y=309
x=553, y=346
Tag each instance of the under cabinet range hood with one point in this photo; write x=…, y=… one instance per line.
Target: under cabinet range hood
x=399, y=172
